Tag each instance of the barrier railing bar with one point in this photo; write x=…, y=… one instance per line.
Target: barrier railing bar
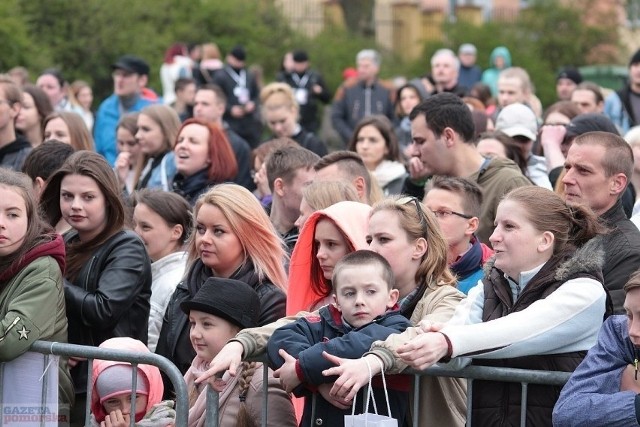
x=87, y=404
x=492, y=373
x=134, y=387
x=213, y=402
x=523, y=404
x=45, y=380
x=265, y=387
x=416, y=399
x=67, y=350
x=469, y=401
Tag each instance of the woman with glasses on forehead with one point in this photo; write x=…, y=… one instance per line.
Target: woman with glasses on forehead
x=539, y=306
x=403, y=231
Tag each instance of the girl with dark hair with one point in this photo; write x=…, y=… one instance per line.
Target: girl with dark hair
x=108, y=278
x=374, y=141
x=163, y=222
x=203, y=158
x=31, y=267
x=408, y=96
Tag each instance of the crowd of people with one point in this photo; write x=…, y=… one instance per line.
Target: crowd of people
x=461, y=222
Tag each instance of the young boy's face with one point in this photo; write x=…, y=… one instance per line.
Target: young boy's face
x=123, y=403
x=209, y=333
x=362, y=294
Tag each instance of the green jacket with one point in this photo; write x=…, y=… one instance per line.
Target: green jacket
x=24, y=319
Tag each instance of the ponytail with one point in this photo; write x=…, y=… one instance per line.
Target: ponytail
x=248, y=369
x=585, y=225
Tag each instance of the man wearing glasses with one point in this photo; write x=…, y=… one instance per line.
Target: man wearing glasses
x=456, y=204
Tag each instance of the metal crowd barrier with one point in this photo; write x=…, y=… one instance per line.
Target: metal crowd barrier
x=471, y=373
x=73, y=350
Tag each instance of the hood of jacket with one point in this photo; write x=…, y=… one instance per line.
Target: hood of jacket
x=500, y=51
x=352, y=219
x=494, y=166
x=54, y=248
x=150, y=372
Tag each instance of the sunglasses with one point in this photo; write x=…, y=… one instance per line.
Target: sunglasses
x=419, y=211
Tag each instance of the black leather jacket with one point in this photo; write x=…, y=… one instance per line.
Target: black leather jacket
x=110, y=296
x=174, y=342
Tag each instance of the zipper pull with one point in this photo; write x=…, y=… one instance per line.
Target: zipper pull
x=635, y=365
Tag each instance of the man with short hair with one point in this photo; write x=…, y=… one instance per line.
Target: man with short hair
x=470, y=73
x=604, y=388
x=442, y=130
x=347, y=166
x=445, y=67
x=623, y=106
x=588, y=98
x=14, y=147
x=209, y=105
x=362, y=97
x=598, y=168
x=514, y=86
x=520, y=123
x=309, y=88
x=456, y=204
x=130, y=77
x=242, y=96
x=566, y=82
x=289, y=169
x=185, y=88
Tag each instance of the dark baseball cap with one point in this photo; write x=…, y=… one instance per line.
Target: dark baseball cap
x=239, y=53
x=591, y=122
x=132, y=64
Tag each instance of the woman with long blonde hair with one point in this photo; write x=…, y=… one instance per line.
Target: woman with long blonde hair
x=233, y=239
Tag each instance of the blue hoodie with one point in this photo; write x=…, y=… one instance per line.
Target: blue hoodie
x=490, y=75
x=592, y=395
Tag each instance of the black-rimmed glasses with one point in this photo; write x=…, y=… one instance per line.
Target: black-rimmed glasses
x=419, y=211
x=444, y=214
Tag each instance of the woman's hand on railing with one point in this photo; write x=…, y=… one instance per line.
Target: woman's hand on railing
x=424, y=350
x=228, y=358
x=352, y=374
x=73, y=361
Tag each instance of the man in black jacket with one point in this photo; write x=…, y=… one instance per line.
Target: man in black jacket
x=242, y=95
x=309, y=88
x=598, y=168
x=362, y=98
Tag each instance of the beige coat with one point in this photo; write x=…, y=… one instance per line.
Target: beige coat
x=443, y=401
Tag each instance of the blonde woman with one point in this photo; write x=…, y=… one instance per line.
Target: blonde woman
x=157, y=130
x=233, y=239
x=280, y=112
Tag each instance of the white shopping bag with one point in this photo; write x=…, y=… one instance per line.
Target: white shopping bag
x=367, y=419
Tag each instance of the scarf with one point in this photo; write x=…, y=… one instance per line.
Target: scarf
x=469, y=262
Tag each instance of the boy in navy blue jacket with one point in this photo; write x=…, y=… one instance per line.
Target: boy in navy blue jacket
x=365, y=311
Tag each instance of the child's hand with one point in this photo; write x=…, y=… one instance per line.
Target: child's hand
x=229, y=358
x=287, y=372
x=325, y=391
x=116, y=419
x=353, y=374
